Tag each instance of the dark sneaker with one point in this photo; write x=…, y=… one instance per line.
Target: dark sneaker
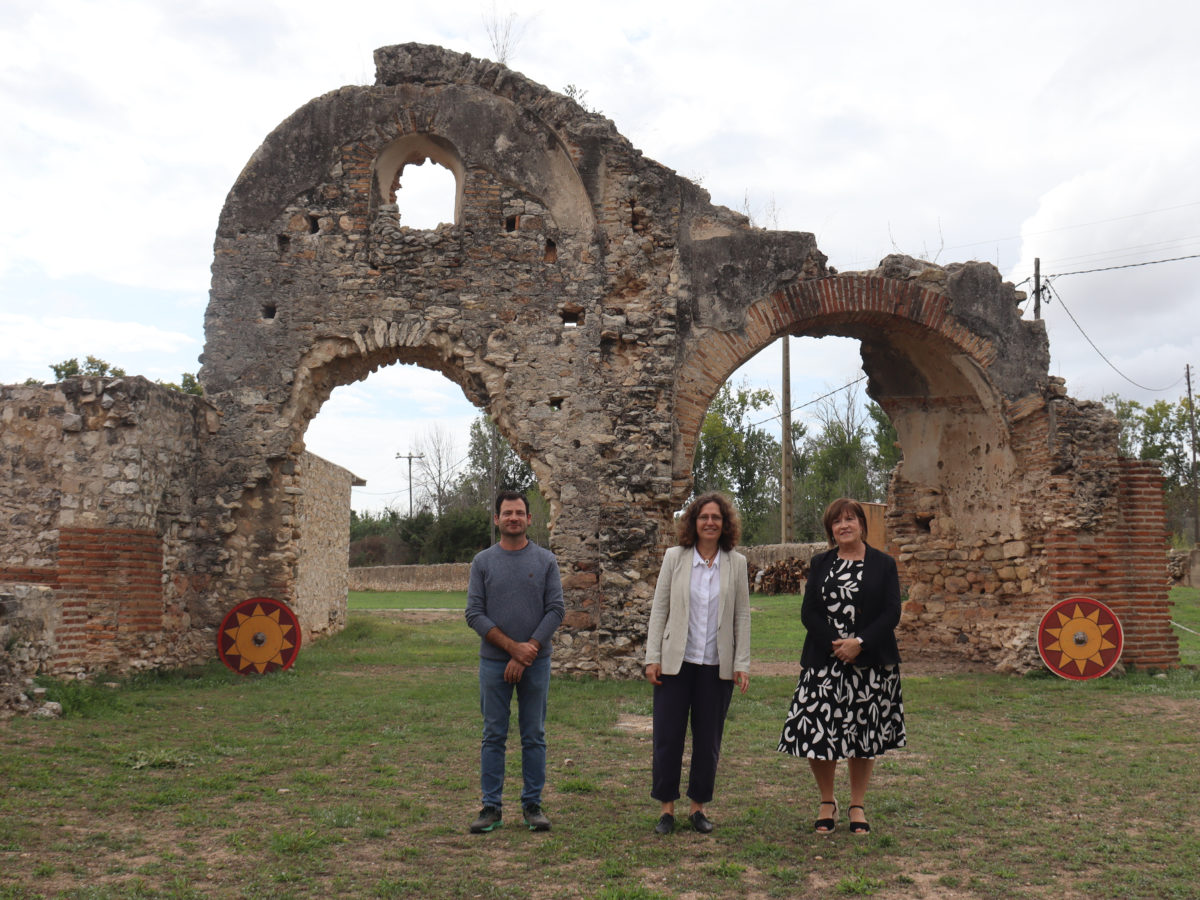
x=535, y=818
x=488, y=819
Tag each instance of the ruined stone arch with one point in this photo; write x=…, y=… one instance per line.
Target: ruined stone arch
x=593, y=302
x=926, y=370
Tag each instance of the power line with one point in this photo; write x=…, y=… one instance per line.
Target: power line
x=1153, y=262
x=844, y=387
x=1054, y=290
x=1149, y=212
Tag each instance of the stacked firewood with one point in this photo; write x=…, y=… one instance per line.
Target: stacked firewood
x=787, y=576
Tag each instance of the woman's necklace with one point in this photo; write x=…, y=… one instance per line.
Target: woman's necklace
x=709, y=560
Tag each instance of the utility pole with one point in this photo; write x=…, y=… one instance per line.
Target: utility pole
x=1037, y=287
x=1195, y=488
x=410, y=457
x=785, y=480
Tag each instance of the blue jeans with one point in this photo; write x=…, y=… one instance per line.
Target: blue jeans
x=495, y=699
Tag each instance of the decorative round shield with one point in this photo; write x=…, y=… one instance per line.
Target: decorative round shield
x=1080, y=638
x=259, y=635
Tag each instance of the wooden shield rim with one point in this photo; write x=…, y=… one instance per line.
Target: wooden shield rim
x=1118, y=638
x=288, y=656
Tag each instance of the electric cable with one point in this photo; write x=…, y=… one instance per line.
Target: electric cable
x=779, y=415
x=1153, y=262
x=1054, y=291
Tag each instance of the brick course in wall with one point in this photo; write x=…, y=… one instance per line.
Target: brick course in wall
x=110, y=584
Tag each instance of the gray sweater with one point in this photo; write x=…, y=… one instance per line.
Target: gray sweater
x=517, y=591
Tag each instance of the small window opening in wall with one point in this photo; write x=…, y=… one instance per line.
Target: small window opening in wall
x=556, y=402
x=571, y=318
x=268, y=311
x=551, y=254
x=424, y=195
x=512, y=223
x=635, y=219
x=282, y=241
x=314, y=224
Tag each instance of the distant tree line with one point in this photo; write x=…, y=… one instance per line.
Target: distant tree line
x=1164, y=431
x=452, y=518
x=851, y=452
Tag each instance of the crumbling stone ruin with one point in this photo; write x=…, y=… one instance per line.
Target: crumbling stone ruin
x=593, y=302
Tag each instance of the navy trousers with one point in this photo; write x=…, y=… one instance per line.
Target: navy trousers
x=697, y=694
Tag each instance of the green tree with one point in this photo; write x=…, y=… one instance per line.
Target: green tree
x=188, y=384
x=1129, y=416
x=840, y=460
x=492, y=465
x=457, y=535
x=887, y=443
x=737, y=457
x=1162, y=431
x=69, y=368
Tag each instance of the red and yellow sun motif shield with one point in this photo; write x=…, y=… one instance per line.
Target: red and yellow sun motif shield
x=259, y=635
x=1080, y=638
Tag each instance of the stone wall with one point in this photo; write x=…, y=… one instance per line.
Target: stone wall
x=323, y=512
x=444, y=577
x=97, y=507
x=102, y=553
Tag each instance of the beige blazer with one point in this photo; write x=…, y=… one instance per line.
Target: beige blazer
x=666, y=635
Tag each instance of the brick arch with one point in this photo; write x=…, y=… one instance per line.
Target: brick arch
x=850, y=305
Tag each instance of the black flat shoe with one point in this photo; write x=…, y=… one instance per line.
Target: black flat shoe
x=859, y=827
x=827, y=826
x=700, y=822
x=666, y=824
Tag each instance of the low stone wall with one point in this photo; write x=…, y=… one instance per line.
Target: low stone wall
x=454, y=576
x=765, y=554
x=443, y=577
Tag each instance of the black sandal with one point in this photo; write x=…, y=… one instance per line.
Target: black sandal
x=827, y=826
x=859, y=827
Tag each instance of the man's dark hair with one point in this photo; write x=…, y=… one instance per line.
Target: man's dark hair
x=511, y=495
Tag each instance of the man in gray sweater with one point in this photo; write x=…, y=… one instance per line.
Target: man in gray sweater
x=514, y=603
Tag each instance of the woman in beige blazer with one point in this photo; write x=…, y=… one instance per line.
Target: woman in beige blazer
x=697, y=649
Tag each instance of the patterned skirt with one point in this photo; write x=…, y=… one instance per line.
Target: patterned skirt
x=844, y=712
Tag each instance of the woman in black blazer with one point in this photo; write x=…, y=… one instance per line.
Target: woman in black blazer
x=847, y=703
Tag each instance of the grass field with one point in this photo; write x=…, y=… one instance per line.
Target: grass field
x=354, y=775
x=408, y=600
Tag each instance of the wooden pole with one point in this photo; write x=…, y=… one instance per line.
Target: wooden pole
x=1195, y=488
x=1037, y=287
x=785, y=476
x=410, y=457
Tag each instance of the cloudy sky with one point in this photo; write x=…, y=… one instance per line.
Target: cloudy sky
x=1053, y=129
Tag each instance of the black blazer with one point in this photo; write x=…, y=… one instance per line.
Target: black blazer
x=878, y=611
